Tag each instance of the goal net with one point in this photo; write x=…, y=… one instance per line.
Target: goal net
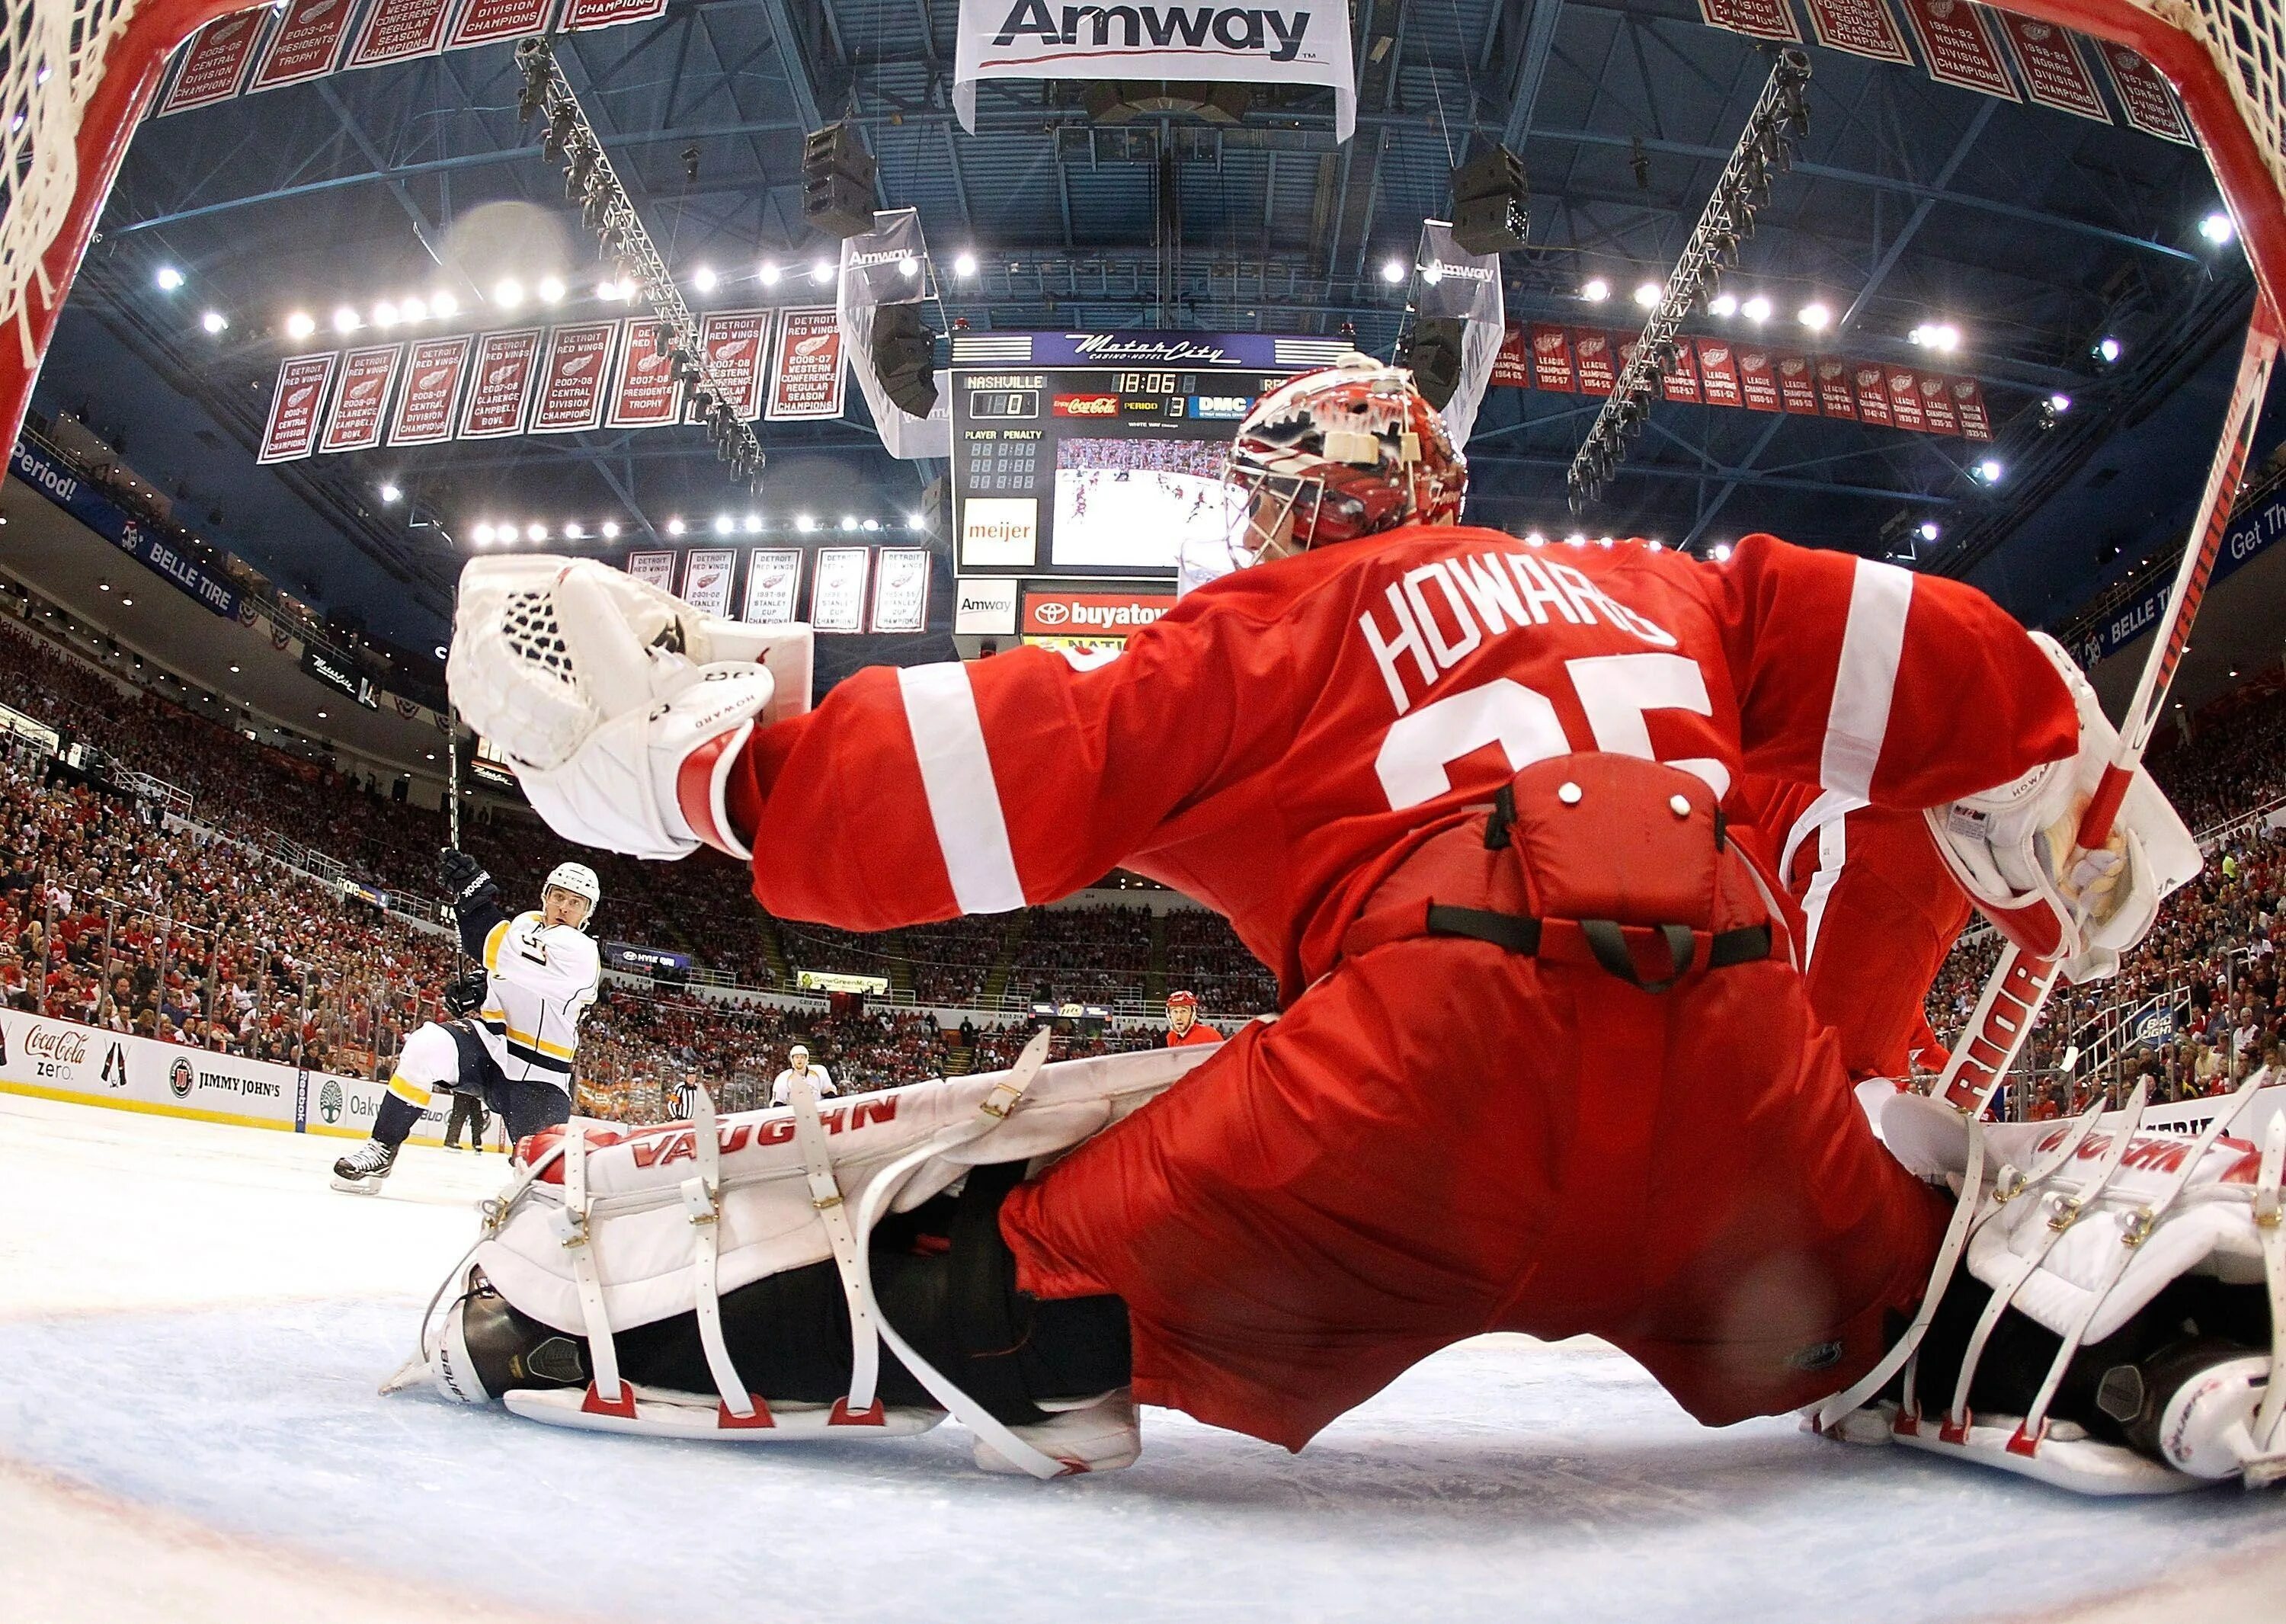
x=79, y=74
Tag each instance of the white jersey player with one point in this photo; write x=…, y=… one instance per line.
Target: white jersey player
x=798, y=1066
x=512, y=1028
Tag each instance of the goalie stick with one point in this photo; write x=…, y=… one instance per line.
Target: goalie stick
x=2019, y=986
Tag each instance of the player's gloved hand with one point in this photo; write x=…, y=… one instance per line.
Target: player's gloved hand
x=465, y=881
x=465, y=993
x=620, y=707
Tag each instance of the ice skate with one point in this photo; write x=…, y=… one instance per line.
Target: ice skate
x=362, y=1171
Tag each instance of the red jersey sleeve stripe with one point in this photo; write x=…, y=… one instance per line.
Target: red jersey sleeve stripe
x=964, y=802
x=1873, y=642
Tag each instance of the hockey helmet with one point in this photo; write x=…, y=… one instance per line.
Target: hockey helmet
x=1182, y=1000
x=578, y=878
x=1332, y=455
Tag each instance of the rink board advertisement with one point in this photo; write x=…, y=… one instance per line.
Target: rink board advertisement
x=1100, y=454
x=2249, y=536
x=61, y=1060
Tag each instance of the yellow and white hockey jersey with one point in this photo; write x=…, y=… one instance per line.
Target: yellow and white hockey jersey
x=542, y=980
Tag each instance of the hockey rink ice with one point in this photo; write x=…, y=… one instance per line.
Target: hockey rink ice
x=193, y=1325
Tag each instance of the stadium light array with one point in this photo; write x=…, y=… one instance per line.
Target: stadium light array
x=1940, y=336
x=507, y=293
x=964, y=265
x=770, y=273
x=300, y=325
x=1595, y=290
x=1647, y=293
x=1756, y=309
x=2217, y=228
x=704, y=279
x=674, y=527
x=214, y=321
x=1815, y=317
x=347, y=320
x=1724, y=304
x=169, y=278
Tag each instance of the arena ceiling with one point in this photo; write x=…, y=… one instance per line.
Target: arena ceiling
x=2036, y=233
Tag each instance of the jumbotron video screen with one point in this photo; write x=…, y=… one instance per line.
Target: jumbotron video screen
x=1101, y=454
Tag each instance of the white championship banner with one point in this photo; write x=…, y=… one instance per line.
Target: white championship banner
x=1296, y=42
x=772, y=575
x=61, y=1060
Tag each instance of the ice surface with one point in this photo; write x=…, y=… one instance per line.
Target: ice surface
x=191, y=1322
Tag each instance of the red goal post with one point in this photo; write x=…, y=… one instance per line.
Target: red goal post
x=79, y=74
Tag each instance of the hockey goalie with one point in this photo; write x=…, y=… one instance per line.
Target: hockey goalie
x=1546, y=1062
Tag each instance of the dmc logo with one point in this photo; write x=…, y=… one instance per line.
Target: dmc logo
x=181, y=1078
x=1165, y=27
x=329, y=1101
x=1087, y=405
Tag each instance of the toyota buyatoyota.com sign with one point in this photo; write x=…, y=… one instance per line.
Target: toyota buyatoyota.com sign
x=1092, y=614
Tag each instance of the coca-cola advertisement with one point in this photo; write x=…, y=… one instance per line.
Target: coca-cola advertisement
x=295, y=407
x=361, y=404
x=500, y=385
x=433, y=370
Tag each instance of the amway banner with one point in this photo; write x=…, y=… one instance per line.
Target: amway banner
x=1298, y=42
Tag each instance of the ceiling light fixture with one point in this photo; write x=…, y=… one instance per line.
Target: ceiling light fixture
x=1595, y=290
x=169, y=278
x=300, y=325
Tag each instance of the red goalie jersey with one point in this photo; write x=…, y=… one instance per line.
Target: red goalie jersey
x=1465, y=1121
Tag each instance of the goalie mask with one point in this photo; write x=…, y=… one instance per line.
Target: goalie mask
x=1329, y=456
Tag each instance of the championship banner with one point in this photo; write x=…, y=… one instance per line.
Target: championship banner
x=1959, y=48
x=305, y=45
x=900, y=586
x=706, y=574
x=1512, y=367
x=837, y=589
x=488, y=23
x=432, y=388
x=215, y=61
x=607, y=14
x=657, y=568
x=1906, y=400
x=734, y=342
x=772, y=574
x=361, y=405
x=805, y=371
x=1873, y=386
x=2143, y=95
x=1758, y=380
x=1680, y=381
x=295, y=405
x=1291, y=42
x=1551, y=359
x=1591, y=352
x=399, y=30
x=1861, y=28
x=573, y=377
x=1936, y=406
x=643, y=395
x=500, y=385
x=1755, y=19
x=2055, y=74
x=1718, y=373
x=1816, y=388
x=1969, y=405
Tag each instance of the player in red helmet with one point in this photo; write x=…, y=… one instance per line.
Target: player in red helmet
x=1544, y=1062
x=1183, y=1026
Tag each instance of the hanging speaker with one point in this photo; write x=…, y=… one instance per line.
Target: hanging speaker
x=1490, y=194
x=1437, y=358
x=905, y=358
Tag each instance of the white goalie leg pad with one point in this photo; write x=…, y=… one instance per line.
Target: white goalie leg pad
x=2009, y=848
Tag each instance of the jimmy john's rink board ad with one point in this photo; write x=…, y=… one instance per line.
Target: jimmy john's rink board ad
x=1100, y=454
x=61, y=1060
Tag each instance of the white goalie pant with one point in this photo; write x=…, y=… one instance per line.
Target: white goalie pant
x=603, y=1232
x=429, y=1061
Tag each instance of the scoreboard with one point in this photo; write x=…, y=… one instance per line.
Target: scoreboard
x=1083, y=455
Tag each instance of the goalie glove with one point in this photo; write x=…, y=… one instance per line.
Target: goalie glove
x=620, y=706
x=2015, y=849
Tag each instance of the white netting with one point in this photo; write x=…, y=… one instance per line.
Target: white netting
x=54, y=52
x=2247, y=39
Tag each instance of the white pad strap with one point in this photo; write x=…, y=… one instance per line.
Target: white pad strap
x=860, y=1407
x=1957, y=1419
x=607, y=1391
x=1830, y=1413
x=702, y=1200
x=2027, y=1441
x=2270, y=1223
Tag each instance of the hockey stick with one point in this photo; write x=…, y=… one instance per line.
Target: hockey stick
x=2019, y=986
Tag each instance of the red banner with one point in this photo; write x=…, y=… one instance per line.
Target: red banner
x=1861, y=28
x=1969, y=405
x=216, y=62
x=1758, y=19
x=1599, y=370
x=1758, y=380
x=486, y=22
x=361, y=406
x=295, y=405
x=571, y=378
x=806, y=378
x=2055, y=74
x=500, y=385
x=644, y=394
x=1826, y=381
x=2143, y=95
x=1718, y=373
x=1511, y=363
x=1906, y=400
x=604, y=13
x=1936, y=405
x=735, y=341
x=305, y=45
x=1959, y=48
x=432, y=387
x=1873, y=382
x=1680, y=381
x=398, y=30
x=1551, y=357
